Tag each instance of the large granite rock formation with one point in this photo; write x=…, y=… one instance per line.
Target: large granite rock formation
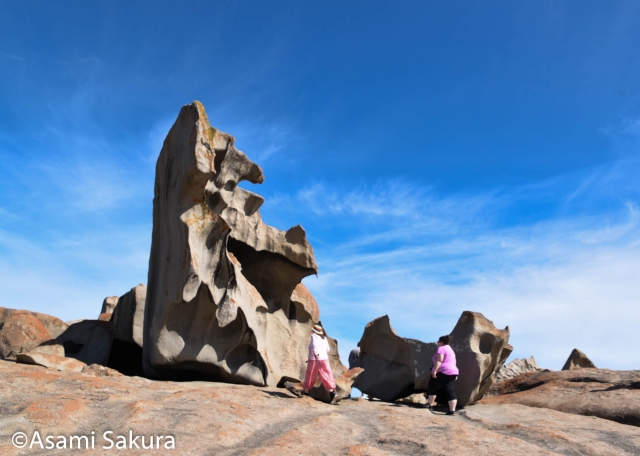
x=224, y=298
x=396, y=367
x=612, y=395
x=577, y=360
x=515, y=368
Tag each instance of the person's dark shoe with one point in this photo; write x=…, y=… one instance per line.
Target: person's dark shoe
x=451, y=413
x=427, y=406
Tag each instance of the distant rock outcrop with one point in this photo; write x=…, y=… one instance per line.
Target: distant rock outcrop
x=397, y=367
x=515, y=368
x=577, y=360
x=224, y=297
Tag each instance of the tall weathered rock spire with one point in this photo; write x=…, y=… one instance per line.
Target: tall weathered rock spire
x=224, y=296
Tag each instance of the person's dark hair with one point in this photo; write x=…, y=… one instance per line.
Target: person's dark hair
x=444, y=339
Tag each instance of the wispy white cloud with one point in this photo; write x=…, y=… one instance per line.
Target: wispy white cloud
x=563, y=281
x=554, y=292
x=71, y=276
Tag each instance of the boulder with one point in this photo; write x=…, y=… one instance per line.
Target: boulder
x=109, y=304
x=54, y=325
x=128, y=321
x=515, y=368
x=224, y=299
x=88, y=341
x=50, y=349
x=612, y=395
x=390, y=372
x=397, y=367
x=21, y=332
x=577, y=360
x=51, y=361
x=128, y=316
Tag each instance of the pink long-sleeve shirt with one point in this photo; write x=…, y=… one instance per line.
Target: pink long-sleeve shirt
x=318, y=346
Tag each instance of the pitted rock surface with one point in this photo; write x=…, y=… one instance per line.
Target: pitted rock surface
x=396, y=367
x=224, y=298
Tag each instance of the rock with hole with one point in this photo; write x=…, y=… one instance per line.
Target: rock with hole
x=396, y=367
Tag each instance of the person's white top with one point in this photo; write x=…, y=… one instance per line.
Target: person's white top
x=318, y=346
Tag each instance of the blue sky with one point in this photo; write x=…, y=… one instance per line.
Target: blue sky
x=442, y=158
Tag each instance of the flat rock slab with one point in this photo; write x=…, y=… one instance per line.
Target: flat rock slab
x=51, y=361
x=225, y=419
x=613, y=395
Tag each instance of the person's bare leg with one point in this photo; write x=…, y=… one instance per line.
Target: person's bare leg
x=452, y=405
x=431, y=400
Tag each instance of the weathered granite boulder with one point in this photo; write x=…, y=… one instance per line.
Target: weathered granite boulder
x=608, y=394
x=515, y=368
x=109, y=304
x=481, y=349
x=397, y=367
x=128, y=316
x=60, y=363
x=224, y=298
x=49, y=349
x=54, y=325
x=21, y=332
x=88, y=341
x=128, y=321
x=390, y=372
x=577, y=360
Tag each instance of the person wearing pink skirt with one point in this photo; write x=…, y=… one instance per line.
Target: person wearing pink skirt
x=318, y=363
